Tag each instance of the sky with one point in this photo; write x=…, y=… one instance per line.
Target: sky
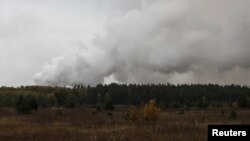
x=67, y=42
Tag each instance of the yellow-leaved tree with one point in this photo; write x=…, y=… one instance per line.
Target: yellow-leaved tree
x=151, y=112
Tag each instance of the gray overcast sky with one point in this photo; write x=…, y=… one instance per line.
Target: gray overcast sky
x=66, y=42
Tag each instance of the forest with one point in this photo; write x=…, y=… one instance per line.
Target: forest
x=165, y=95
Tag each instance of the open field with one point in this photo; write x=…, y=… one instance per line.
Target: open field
x=82, y=124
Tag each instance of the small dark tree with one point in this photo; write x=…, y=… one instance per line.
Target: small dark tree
x=70, y=101
x=61, y=96
x=108, y=103
x=100, y=102
x=232, y=114
x=32, y=102
x=243, y=102
x=25, y=104
x=203, y=103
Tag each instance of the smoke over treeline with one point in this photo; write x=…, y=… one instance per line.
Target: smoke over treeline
x=177, y=41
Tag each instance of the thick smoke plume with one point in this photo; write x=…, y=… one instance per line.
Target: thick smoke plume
x=177, y=41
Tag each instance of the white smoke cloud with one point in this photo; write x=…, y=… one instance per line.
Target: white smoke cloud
x=178, y=41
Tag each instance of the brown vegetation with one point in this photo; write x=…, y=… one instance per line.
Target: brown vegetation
x=78, y=124
x=150, y=111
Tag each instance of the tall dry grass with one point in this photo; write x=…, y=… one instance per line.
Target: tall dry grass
x=81, y=124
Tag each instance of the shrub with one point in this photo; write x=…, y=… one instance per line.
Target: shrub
x=25, y=104
x=70, y=101
x=229, y=110
x=243, y=102
x=132, y=114
x=232, y=114
x=151, y=112
x=108, y=103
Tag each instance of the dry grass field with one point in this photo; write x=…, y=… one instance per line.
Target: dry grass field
x=82, y=124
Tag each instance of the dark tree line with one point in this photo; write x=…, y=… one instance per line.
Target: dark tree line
x=195, y=95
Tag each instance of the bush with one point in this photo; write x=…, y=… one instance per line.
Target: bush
x=108, y=103
x=70, y=101
x=229, y=110
x=151, y=112
x=25, y=104
x=243, y=102
x=232, y=114
x=132, y=114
